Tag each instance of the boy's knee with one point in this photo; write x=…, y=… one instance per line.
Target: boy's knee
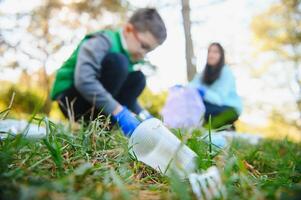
x=117, y=62
x=140, y=79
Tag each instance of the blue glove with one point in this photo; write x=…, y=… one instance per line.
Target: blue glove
x=127, y=121
x=201, y=91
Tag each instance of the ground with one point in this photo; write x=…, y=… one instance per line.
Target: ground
x=90, y=162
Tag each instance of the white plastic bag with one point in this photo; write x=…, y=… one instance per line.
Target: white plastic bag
x=184, y=108
x=14, y=127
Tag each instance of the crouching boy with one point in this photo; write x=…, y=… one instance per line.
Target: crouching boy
x=99, y=76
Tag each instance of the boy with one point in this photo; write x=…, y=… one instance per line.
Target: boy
x=99, y=75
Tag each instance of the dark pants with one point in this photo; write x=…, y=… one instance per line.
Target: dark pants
x=125, y=87
x=220, y=115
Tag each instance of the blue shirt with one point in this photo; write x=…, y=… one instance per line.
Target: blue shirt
x=222, y=92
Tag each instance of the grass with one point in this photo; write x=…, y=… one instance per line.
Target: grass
x=90, y=162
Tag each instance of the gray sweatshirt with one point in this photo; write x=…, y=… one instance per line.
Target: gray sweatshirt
x=88, y=72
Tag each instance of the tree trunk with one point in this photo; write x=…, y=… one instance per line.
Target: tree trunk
x=191, y=68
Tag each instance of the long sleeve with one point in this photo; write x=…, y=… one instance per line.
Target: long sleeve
x=88, y=72
x=221, y=88
x=222, y=91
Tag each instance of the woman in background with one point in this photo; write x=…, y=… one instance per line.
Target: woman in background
x=216, y=85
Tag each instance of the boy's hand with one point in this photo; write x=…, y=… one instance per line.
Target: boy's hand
x=127, y=121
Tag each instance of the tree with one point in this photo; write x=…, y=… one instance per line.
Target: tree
x=189, y=52
x=187, y=24
x=278, y=30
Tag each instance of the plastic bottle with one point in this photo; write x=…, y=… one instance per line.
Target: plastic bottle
x=153, y=144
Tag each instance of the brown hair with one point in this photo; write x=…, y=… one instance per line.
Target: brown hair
x=212, y=73
x=148, y=19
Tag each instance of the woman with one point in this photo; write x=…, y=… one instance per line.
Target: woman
x=217, y=88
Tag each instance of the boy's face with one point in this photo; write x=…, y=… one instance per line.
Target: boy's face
x=139, y=43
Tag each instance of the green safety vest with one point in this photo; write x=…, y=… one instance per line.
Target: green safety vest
x=65, y=75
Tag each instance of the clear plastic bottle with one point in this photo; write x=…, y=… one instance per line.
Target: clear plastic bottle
x=153, y=144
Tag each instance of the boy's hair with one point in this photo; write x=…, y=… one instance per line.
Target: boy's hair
x=148, y=19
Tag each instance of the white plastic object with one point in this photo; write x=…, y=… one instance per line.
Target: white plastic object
x=208, y=185
x=251, y=138
x=217, y=140
x=153, y=144
x=224, y=138
x=14, y=127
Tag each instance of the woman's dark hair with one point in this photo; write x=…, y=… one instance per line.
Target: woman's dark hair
x=212, y=73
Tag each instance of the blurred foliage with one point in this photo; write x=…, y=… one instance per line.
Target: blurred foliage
x=278, y=127
x=153, y=102
x=25, y=101
x=96, y=8
x=278, y=30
